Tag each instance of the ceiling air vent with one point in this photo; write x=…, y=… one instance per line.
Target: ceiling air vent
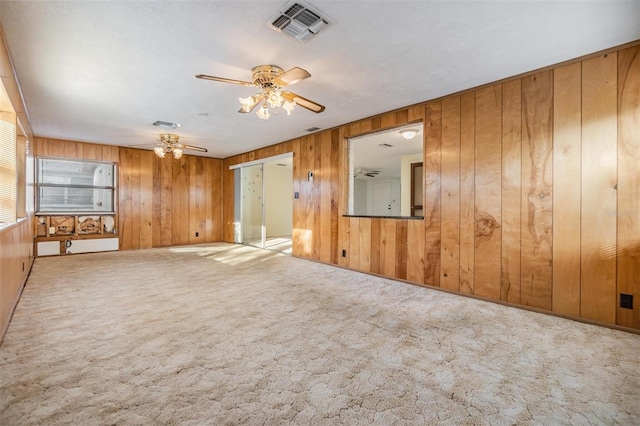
x=299, y=20
x=166, y=124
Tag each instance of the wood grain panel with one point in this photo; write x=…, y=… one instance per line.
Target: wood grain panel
x=467, y=191
x=599, y=167
x=325, y=195
x=353, y=254
x=364, y=249
x=309, y=196
x=134, y=198
x=401, y=248
x=628, y=212
x=146, y=199
x=209, y=224
x=450, y=195
x=166, y=197
x=71, y=150
x=388, y=247
x=375, y=248
x=177, y=177
x=344, y=230
x=567, y=163
x=537, y=194
x=488, y=215
x=432, y=171
x=416, y=251
x=511, y=190
x=298, y=204
x=125, y=173
x=317, y=189
x=335, y=166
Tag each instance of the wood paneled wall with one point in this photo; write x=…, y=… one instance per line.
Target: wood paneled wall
x=81, y=150
x=16, y=240
x=532, y=193
x=161, y=201
x=165, y=202
x=16, y=257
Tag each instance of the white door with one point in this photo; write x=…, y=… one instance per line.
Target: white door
x=382, y=199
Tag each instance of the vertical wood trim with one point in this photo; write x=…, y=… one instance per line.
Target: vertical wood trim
x=432, y=161
x=599, y=177
x=467, y=194
x=488, y=220
x=628, y=209
x=567, y=160
x=537, y=194
x=450, y=194
x=511, y=190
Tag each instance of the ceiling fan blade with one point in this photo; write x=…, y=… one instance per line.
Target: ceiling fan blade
x=195, y=148
x=224, y=80
x=303, y=102
x=142, y=145
x=292, y=76
x=256, y=101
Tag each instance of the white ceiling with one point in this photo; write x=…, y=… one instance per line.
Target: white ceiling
x=102, y=72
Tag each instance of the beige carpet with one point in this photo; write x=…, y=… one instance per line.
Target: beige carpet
x=224, y=334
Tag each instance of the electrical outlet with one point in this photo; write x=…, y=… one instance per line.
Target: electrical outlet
x=344, y=253
x=197, y=234
x=626, y=301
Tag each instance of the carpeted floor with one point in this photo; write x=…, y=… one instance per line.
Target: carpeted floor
x=226, y=334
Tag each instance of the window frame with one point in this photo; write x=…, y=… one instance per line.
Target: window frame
x=39, y=185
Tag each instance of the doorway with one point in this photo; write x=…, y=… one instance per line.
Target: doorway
x=263, y=210
x=382, y=199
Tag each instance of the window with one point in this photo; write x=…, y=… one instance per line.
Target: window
x=75, y=186
x=8, y=176
x=383, y=180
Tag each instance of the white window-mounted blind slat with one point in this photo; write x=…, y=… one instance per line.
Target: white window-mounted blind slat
x=8, y=175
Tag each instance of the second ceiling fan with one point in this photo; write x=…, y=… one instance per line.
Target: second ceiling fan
x=271, y=79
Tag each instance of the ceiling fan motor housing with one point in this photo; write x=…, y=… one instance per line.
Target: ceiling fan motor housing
x=263, y=75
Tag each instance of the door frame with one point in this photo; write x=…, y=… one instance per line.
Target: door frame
x=238, y=225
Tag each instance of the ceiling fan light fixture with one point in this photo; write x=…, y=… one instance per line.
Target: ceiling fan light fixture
x=159, y=150
x=263, y=112
x=177, y=153
x=409, y=133
x=247, y=103
x=288, y=106
x=275, y=98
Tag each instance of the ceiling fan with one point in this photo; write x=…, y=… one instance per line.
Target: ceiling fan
x=362, y=172
x=271, y=79
x=170, y=143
